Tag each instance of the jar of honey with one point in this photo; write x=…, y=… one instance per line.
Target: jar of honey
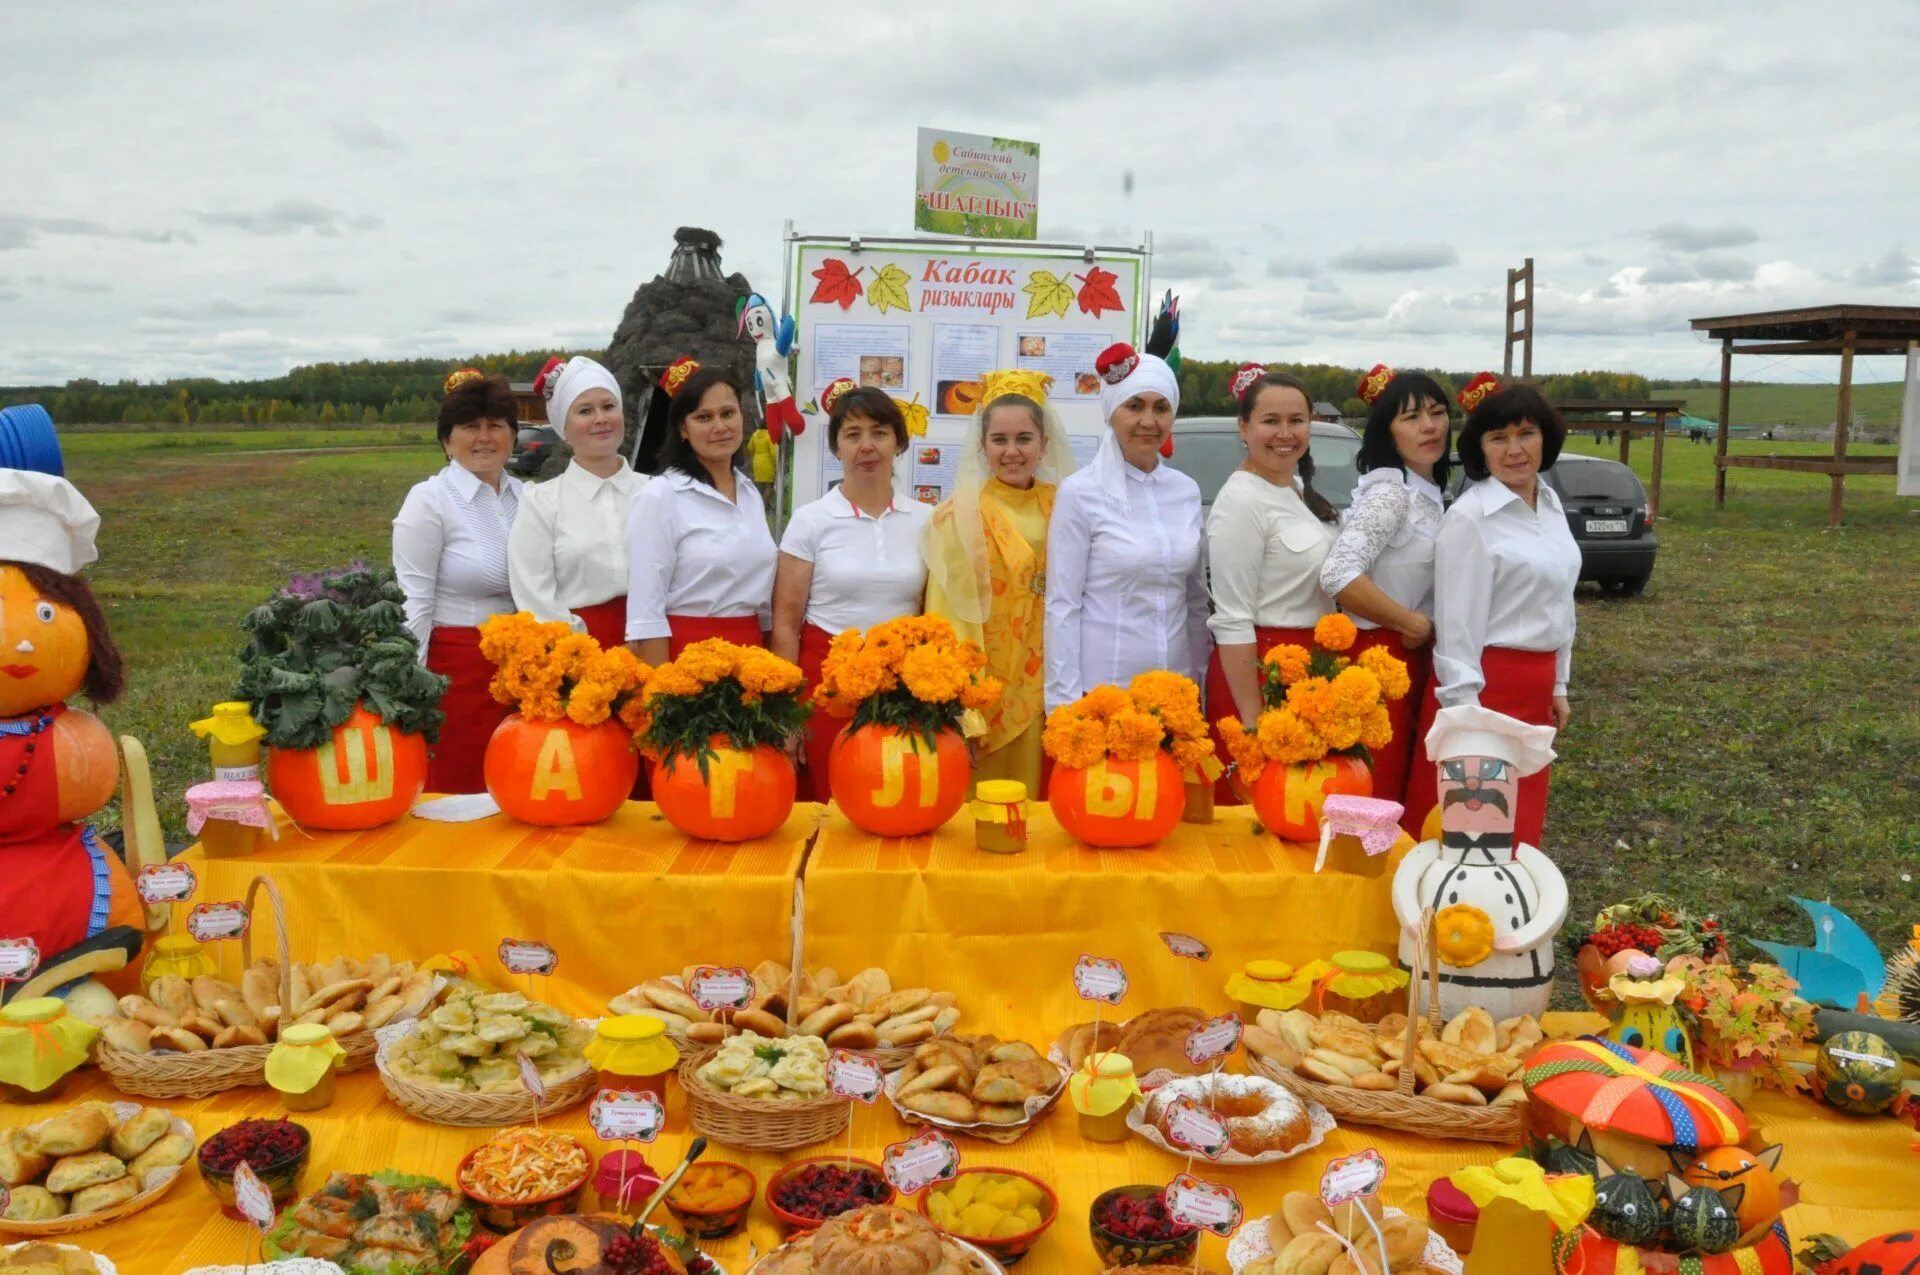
x=231, y=811
x=632, y=1052
x=41, y=1046
x=1270, y=984
x=179, y=954
x=302, y=1065
x=1104, y=1091
x=1000, y=809
x=1363, y=985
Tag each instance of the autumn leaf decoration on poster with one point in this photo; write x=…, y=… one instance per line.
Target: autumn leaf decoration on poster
x=1097, y=295
x=889, y=290
x=1051, y=294
x=838, y=285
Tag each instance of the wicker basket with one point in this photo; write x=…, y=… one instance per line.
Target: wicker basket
x=758, y=1124
x=1401, y=1108
x=212, y=1071
x=480, y=1110
x=72, y=1222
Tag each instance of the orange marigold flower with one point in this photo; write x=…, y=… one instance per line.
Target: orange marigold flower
x=1341, y=728
x=981, y=693
x=707, y=661
x=1310, y=698
x=1335, y=632
x=1377, y=731
x=1244, y=747
x=1105, y=701
x=1355, y=690
x=1289, y=662
x=1288, y=738
x=1133, y=736
x=930, y=676
x=1390, y=669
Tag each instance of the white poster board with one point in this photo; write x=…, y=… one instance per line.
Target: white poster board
x=925, y=318
x=1908, y=483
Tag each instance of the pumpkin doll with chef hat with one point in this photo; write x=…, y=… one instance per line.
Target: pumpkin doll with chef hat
x=60, y=886
x=1497, y=902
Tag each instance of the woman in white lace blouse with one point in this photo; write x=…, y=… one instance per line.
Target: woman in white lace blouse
x=1381, y=568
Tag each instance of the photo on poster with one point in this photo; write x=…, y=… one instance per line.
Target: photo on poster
x=1067, y=357
x=963, y=353
x=934, y=468
x=874, y=354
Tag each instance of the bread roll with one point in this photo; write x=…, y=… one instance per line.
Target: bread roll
x=104, y=1196
x=235, y=1014
x=946, y=1106
x=173, y=994
x=72, y=1132
x=127, y=1035
x=178, y=1039
x=854, y=1036
x=383, y=1012
x=173, y=1149
x=77, y=1172
x=759, y=1020
x=139, y=1133
x=234, y=1037
x=823, y=1021
x=890, y=1003
x=20, y=1161
x=911, y=1034
x=34, y=1204
x=142, y=1010
x=707, y=1033
x=664, y=994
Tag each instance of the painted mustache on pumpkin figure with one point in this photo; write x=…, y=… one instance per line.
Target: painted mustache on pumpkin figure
x=1474, y=798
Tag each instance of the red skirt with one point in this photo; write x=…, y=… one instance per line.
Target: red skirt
x=458, y=762
x=1519, y=684
x=606, y=622
x=823, y=727
x=1220, y=698
x=1390, y=763
x=685, y=630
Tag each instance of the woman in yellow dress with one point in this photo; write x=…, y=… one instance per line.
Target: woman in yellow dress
x=986, y=551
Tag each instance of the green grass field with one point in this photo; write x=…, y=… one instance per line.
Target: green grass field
x=1876, y=403
x=1746, y=730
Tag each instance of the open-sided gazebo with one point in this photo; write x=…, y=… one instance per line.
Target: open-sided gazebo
x=1627, y=415
x=1845, y=330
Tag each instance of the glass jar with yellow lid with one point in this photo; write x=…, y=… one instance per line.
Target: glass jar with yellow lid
x=1269, y=984
x=41, y=1046
x=1000, y=809
x=1363, y=985
x=302, y=1065
x=632, y=1052
x=1103, y=1091
x=179, y=954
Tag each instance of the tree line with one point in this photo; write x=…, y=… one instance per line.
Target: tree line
x=1204, y=385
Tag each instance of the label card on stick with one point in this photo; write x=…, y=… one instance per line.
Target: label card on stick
x=1096, y=978
x=721, y=987
x=165, y=883
x=530, y=1079
x=212, y=922
x=1351, y=1177
x=251, y=1197
x=19, y=958
x=1186, y=945
x=1215, y=1038
x=528, y=956
x=921, y=1161
x=851, y=1076
x=1192, y=1127
x=1207, y=1205
x=621, y=1115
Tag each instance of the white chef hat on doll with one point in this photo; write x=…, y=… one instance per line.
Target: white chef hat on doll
x=44, y=520
x=1468, y=730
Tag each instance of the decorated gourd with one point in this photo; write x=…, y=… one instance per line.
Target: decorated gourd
x=366, y=774
x=745, y=794
x=1287, y=799
x=890, y=783
x=1702, y=1220
x=1859, y=1073
x=1724, y=1168
x=961, y=398
x=1116, y=804
x=1624, y=1208
x=1646, y=1014
x=560, y=774
x=1889, y=1254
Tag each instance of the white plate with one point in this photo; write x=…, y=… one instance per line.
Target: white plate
x=285, y=1266
x=992, y=1267
x=1195, y=1087
x=101, y=1262
x=1035, y=1107
x=1250, y=1243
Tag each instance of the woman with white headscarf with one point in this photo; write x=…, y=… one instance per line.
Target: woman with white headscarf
x=1126, y=578
x=567, y=554
x=986, y=553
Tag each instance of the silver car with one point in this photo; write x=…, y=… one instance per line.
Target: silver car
x=1207, y=449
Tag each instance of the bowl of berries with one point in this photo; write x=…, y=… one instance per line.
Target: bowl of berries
x=1131, y=1227
x=808, y=1192
x=276, y=1151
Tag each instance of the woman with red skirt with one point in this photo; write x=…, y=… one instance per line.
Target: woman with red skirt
x=1267, y=535
x=450, y=558
x=699, y=555
x=1505, y=566
x=1381, y=568
x=849, y=560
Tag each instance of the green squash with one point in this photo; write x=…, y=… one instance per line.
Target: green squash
x=1703, y=1220
x=1859, y=1073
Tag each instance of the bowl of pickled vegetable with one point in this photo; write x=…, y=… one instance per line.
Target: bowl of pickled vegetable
x=1003, y=1211
x=711, y=1200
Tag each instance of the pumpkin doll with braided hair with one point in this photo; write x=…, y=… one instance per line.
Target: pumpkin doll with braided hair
x=60, y=885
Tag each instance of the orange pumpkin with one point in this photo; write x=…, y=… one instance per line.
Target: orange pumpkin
x=889, y=784
x=1287, y=799
x=560, y=774
x=962, y=398
x=746, y=794
x=366, y=775
x=1724, y=1168
x=1118, y=805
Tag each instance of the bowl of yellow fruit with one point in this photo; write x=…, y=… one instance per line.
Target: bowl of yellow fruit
x=1003, y=1211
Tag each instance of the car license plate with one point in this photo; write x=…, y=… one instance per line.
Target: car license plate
x=1606, y=526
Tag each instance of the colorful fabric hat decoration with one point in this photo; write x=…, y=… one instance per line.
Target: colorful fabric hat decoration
x=1116, y=363
x=1608, y=1086
x=1015, y=380
x=677, y=373
x=462, y=376
x=1373, y=382
x=544, y=383
x=1477, y=390
x=837, y=389
x=1243, y=379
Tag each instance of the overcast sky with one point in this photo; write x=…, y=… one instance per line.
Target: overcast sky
x=228, y=189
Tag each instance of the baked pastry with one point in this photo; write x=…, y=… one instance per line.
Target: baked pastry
x=139, y=1133
x=171, y=1150
x=77, y=1172
x=34, y=1204
x=1259, y=1115
x=876, y=1240
x=20, y=1161
x=73, y=1132
x=104, y=1196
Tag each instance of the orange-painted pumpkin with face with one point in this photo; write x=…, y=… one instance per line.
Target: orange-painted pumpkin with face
x=560, y=774
x=1288, y=799
x=1119, y=805
x=367, y=774
x=43, y=647
x=746, y=793
x=889, y=783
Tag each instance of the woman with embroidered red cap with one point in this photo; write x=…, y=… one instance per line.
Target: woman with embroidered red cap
x=450, y=558
x=1380, y=570
x=699, y=555
x=849, y=560
x=1505, y=567
x=1267, y=535
x=567, y=555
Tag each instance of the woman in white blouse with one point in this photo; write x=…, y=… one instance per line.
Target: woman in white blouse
x=1126, y=581
x=1267, y=534
x=1505, y=566
x=567, y=556
x=699, y=555
x=450, y=557
x=849, y=560
x=1381, y=568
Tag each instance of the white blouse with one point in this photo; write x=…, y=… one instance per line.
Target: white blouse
x=1503, y=576
x=866, y=570
x=1126, y=591
x=450, y=550
x=569, y=544
x=1387, y=536
x=691, y=551
x=1264, y=550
